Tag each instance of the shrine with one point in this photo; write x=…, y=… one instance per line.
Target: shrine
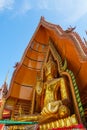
x=48, y=89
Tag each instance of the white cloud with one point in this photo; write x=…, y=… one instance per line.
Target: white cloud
x=43, y=4
x=19, y=7
x=71, y=9
x=78, y=10
x=25, y=6
x=6, y=4
x=53, y=4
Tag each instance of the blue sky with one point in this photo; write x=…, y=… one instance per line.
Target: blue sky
x=20, y=18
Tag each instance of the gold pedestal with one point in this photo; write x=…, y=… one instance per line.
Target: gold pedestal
x=66, y=122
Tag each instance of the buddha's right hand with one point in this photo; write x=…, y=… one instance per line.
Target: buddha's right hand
x=51, y=108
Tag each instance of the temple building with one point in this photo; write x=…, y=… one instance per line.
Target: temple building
x=49, y=84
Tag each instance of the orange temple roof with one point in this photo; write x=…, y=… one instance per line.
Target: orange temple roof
x=69, y=45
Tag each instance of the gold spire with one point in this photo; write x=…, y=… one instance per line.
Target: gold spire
x=6, y=77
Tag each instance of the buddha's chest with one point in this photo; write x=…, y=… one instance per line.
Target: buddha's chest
x=51, y=86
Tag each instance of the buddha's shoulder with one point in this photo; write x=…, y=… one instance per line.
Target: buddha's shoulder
x=53, y=81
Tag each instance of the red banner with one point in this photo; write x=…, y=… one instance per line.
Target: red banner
x=6, y=114
x=80, y=126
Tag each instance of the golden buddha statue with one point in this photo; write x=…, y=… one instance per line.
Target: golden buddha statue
x=52, y=100
x=54, y=92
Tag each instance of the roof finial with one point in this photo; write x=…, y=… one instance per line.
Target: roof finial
x=42, y=18
x=85, y=41
x=70, y=29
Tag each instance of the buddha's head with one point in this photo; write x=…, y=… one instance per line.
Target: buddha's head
x=50, y=68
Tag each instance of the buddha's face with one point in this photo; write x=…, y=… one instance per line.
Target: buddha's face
x=50, y=69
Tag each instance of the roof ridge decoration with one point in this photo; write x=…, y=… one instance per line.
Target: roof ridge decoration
x=72, y=35
x=62, y=66
x=81, y=42
x=85, y=42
